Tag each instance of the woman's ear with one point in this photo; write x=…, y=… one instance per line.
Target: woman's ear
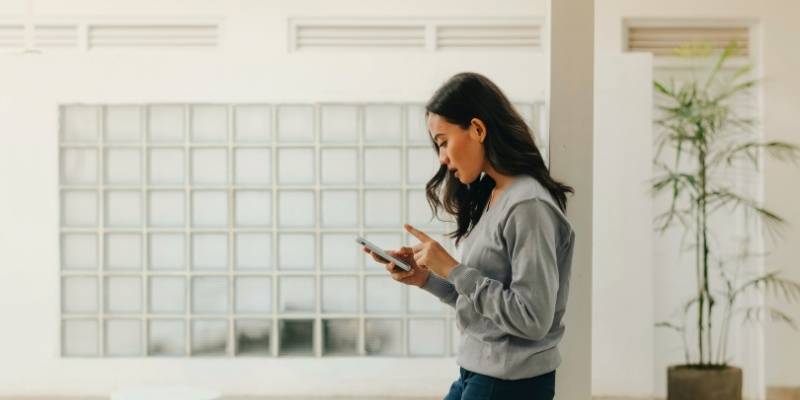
x=480, y=129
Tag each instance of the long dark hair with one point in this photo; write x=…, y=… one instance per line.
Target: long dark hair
x=509, y=148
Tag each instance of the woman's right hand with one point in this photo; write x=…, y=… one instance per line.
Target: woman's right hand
x=417, y=276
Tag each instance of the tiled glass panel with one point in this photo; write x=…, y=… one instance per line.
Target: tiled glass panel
x=166, y=124
x=383, y=295
x=527, y=112
x=123, y=251
x=210, y=209
x=296, y=294
x=296, y=166
x=295, y=123
x=253, y=123
x=193, y=229
x=79, y=338
x=253, y=208
x=253, y=337
x=123, y=294
x=339, y=294
x=296, y=251
x=383, y=337
x=167, y=251
x=340, y=337
x=339, y=166
x=422, y=165
x=253, y=294
x=79, y=208
x=209, y=337
x=253, y=166
x=339, y=252
x=382, y=209
x=123, y=124
x=80, y=123
x=123, y=337
x=382, y=166
x=416, y=125
x=419, y=211
x=166, y=166
x=79, y=294
x=79, y=166
x=123, y=209
x=339, y=209
x=79, y=251
x=296, y=337
x=210, y=251
x=167, y=294
x=209, y=123
x=420, y=301
x=339, y=123
x=209, y=166
x=426, y=337
x=166, y=209
x=253, y=251
x=382, y=123
x=296, y=209
x=209, y=294
x=166, y=337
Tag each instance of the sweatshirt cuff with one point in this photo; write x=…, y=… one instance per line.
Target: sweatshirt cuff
x=464, y=278
x=438, y=286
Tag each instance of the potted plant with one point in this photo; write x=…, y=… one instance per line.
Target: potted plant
x=701, y=138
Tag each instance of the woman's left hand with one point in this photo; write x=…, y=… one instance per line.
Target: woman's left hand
x=430, y=254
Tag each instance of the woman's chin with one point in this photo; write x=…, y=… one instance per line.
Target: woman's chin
x=464, y=181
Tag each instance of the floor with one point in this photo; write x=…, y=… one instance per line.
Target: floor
x=774, y=394
x=302, y=398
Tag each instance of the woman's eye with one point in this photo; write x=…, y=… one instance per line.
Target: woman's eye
x=443, y=143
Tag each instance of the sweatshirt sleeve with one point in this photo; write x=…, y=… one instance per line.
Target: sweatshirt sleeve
x=527, y=307
x=442, y=289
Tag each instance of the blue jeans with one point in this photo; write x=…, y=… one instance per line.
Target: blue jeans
x=473, y=386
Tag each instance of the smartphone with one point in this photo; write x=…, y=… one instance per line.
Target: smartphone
x=383, y=254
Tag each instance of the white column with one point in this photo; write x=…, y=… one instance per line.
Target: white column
x=570, y=103
x=623, y=278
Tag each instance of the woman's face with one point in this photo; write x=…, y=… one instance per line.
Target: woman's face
x=461, y=150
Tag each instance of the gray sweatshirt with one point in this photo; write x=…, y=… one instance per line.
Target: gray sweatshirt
x=510, y=288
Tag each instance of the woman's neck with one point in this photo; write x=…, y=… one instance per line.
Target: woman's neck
x=501, y=181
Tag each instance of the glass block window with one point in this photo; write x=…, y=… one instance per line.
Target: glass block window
x=211, y=230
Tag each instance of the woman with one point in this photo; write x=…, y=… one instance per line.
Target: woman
x=510, y=288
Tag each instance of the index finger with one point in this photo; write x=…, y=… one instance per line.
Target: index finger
x=422, y=236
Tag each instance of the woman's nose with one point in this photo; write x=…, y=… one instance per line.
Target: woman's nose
x=443, y=158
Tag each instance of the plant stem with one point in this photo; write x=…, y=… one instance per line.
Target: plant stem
x=704, y=213
x=703, y=249
x=700, y=292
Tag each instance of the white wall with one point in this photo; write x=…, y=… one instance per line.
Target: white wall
x=779, y=61
x=781, y=102
x=251, y=66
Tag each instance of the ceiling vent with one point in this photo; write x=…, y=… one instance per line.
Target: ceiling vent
x=665, y=40
x=358, y=36
x=12, y=36
x=55, y=36
x=152, y=36
x=415, y=33
x=488, y=36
